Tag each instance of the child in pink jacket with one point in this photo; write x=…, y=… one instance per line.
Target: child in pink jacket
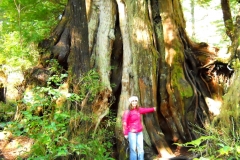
x=132, y=128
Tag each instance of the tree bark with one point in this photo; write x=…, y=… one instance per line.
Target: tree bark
x=105, y=35
x=235, y=51
x=79, y=58
x=227, y=18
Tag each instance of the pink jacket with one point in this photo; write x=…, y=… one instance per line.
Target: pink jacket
x=132, y=120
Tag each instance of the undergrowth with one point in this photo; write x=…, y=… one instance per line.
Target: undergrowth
x=50, y=126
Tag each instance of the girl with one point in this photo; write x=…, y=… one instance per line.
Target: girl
x=132, y=128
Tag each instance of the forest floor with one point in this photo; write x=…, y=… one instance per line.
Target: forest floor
x=13, y=147
x=179, y=154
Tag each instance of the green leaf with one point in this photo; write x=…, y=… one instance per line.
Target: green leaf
x=195, y=143
x=225, y=150
x=238, y=149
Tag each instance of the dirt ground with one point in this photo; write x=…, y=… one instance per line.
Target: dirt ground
x=13, y=147
x=179, y=154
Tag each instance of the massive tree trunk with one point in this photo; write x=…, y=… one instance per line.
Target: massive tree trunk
x=142, y=47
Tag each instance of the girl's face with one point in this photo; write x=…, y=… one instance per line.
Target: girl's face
x=134, y=103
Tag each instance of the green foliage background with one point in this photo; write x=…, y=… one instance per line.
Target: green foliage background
x=23, y=23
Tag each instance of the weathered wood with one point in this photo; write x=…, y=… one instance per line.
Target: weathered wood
x=79, y=58
x=125, y=79
x=105, y=35
x=61, y=49
x=173, y=106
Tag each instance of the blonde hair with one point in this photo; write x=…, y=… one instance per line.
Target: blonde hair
x=131, y=107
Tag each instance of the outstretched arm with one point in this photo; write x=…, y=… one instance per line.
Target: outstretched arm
x=147, y=110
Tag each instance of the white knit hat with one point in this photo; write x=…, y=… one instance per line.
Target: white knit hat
x=133, y=98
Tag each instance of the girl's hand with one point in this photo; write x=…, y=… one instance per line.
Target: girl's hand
x=154, y=108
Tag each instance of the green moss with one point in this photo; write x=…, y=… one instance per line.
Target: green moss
x=179, y=81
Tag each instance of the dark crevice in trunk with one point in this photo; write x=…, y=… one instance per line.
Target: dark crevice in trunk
x=116, y=61
x=3, y=94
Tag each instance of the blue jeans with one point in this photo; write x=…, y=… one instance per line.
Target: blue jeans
x=136, y=146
